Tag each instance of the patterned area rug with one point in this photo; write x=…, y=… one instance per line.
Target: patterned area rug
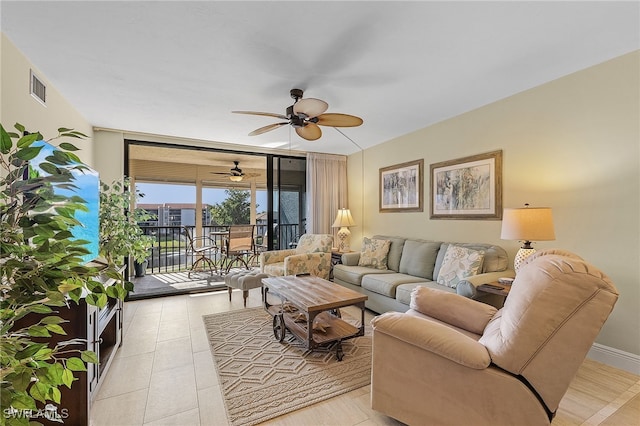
x=262, y=379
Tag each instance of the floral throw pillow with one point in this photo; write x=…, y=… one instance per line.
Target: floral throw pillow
x=374, y=253
x=458, y=264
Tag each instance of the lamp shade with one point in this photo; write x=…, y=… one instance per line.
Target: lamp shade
x=528, y=224
x=343, y=219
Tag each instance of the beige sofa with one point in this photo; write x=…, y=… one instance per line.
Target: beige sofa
x=412, y=263
x=460, y=362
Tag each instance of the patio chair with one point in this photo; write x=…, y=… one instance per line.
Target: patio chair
x=202, y=251
x=238, y=247
x=260, y=244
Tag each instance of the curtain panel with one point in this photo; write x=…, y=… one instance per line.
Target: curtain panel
x=326, y=191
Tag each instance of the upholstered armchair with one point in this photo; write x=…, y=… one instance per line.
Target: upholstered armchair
x=312, y=256
x=451, y=360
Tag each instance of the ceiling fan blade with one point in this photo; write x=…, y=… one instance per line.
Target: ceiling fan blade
x=339, y=120
x=310, y=107
x=265, y=129
x=251, y=175
x=310, y=132
x=268, y=114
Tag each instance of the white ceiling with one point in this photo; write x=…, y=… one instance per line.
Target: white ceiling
x=180, y=68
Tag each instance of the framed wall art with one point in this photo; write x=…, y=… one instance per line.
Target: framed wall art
x=401, y=187
x=467, y=188
x=86, y=184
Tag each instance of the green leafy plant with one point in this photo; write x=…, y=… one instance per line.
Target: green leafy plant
x=41, y=270
x=235, y=209
x=120, y=234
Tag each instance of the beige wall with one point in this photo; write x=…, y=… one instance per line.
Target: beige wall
x=571, y=144
x=17, y=104
x=109, y=155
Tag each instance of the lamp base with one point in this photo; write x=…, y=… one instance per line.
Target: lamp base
x=522, y=254
x=344, y=237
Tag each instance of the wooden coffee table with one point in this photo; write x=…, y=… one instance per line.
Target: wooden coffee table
x=318, y=299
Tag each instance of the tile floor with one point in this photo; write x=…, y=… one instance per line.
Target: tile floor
x=164, y=373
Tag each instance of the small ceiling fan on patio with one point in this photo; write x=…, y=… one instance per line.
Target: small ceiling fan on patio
x=236, y=174
x=305, y=115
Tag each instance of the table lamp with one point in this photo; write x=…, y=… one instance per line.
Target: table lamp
x=527, y=224
x=343, y=221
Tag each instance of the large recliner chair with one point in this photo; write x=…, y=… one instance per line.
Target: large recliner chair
x=451, y=360
x=312, y=255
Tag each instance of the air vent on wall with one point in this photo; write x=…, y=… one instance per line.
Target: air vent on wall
x=38, y=89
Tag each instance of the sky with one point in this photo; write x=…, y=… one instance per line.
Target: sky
x=159, y=193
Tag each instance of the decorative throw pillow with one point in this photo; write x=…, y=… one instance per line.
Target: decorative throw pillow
x=374, y=253
x=458, y=264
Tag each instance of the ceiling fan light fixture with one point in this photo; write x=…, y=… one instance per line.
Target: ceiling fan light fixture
x=310, y=107
x=235, y=178
x=304, y=116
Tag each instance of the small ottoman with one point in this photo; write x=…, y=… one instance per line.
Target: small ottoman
x=245, y=280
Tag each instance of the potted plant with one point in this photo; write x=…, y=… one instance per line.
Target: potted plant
x=41, y=271
x=120, y=234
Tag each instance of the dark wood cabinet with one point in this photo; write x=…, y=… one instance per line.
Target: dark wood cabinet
x=108, y=338
x=98, y=330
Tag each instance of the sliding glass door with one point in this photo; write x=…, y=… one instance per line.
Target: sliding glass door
x=286, y=182
x=206, y=190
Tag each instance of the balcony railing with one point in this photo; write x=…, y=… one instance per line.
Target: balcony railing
x=170, y=252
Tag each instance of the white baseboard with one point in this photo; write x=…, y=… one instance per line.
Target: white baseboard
x=615, y=358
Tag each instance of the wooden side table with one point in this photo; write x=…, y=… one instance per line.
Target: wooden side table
x=336, y=259
x=495, y=287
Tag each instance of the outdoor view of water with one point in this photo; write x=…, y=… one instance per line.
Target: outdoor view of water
x=88, y=184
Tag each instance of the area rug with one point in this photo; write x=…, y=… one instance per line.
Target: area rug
x=262, y=379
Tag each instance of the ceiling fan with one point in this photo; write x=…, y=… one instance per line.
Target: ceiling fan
x=305, y=115
x=236, y=174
